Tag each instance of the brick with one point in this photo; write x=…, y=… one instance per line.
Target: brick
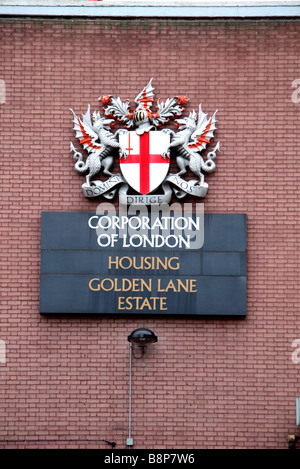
x=65, y=383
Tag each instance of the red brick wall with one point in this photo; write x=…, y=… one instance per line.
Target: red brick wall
x=206, y=383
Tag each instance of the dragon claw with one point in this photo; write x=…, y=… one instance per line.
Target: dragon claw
x=123, y=155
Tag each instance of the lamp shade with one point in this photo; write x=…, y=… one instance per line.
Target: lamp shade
x=142, y=336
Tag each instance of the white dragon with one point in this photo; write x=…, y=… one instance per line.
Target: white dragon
x=194, y=133
x=100, y=143
x=193, y=136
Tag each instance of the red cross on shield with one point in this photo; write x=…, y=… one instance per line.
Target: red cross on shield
x=144, y=169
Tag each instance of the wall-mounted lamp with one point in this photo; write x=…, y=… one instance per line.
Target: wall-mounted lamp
x=141, y=338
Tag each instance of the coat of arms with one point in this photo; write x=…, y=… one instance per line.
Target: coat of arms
x=144, y=153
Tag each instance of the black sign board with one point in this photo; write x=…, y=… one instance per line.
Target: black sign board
x=89, y=266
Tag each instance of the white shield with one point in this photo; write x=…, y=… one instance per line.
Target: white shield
x=144, y=169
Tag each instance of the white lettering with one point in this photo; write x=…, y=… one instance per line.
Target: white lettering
x=103, y=244
x=93, y=227
x=165, y=226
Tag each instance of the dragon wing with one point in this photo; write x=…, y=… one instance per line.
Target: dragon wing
x=144, y=99
x=85, y=133
x=165, y=110
x=204, y=131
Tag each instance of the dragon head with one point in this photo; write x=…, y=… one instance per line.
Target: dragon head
x=100, y=123
x=189, y=122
